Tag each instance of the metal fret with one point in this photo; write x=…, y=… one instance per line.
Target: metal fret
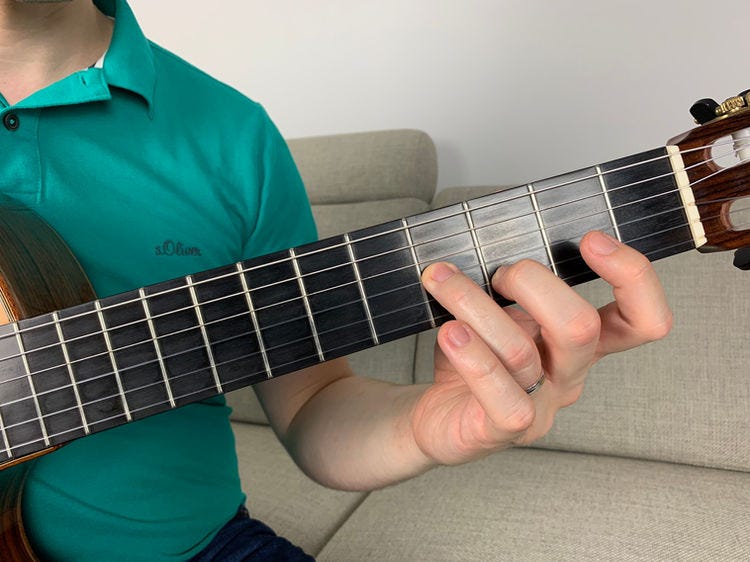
x=542, y=229
x=110, y=352
x=69, y=368
x=475, y=239
x=202, y=326
x=254, y=318
x=306, y=302
x=409, y=240
x=609, y=203
x=160, y=359
x=31, y=385
x=5, y=436
x=362, y=293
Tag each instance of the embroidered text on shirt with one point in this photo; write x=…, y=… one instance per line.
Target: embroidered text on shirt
x=172, y=248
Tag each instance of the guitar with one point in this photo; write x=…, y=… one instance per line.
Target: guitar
x=72, y=364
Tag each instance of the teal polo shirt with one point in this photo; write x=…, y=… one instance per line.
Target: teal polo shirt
x=150, y=170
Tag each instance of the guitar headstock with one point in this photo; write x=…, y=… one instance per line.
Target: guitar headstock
x=716, y=158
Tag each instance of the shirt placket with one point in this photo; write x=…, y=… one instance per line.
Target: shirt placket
x=20, y=175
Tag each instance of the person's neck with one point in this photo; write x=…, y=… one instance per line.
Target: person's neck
x=41, y=43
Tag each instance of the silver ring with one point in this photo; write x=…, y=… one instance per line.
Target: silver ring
x=537, y=385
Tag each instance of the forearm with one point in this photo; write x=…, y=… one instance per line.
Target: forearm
x=356, y=434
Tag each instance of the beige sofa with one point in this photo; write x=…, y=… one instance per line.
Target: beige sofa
x=651, y=464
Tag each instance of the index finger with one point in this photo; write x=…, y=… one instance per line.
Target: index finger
x=640, y=312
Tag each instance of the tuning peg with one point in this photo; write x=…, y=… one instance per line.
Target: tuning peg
x=742, y=259
x=704, y=110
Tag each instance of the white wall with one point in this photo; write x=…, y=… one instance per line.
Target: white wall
x=511, y=90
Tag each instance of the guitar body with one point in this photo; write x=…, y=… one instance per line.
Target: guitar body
x=38, y=274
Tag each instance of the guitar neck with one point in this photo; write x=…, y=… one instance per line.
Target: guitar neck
x=80, y=370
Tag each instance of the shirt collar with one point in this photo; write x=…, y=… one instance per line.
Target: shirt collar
x=129, y=63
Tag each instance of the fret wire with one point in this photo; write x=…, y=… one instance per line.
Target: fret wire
x=157, y=348
x=362, y=292
x=71, y=376
x=511, y=199
x=306, y=302
x=555, y=186
x=239, y=266
x=254, y=318
x=5, y=436
x=697, y=182
x=400, y=309
x=446, y=316
x=25, y=362
x=477, y=246
x=410, y=244
x=199, y=316
x=630, y=203
x=447, y=256
x=540, y=222
x=403, y=308
x=110, y=352
x=549, y=188
x=608, y=202
x=580, y=199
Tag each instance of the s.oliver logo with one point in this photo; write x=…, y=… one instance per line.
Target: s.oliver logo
x=172, y=248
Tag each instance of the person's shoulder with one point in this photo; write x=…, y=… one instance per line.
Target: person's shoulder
x=187, y=84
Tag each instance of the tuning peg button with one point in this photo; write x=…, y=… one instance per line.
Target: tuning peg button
x=742, y=259
x=704, y=110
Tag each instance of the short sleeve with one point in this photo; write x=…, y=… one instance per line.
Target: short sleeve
x=284, y=218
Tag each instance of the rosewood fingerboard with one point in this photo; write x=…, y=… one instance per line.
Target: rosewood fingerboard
x=87, y=368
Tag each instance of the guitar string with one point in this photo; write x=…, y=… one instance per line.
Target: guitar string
x=456, y=214
x=470, y=250
x=396, y=230
x=253, y=332
x=324, y=249
x=188, y=395
x=251, y=375
x=122, y=396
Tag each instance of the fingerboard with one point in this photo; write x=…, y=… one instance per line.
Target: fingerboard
x=81, y=370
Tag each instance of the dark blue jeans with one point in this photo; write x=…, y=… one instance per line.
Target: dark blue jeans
x=245, y=539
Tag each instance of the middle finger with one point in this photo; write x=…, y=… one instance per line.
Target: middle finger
x=569, y=325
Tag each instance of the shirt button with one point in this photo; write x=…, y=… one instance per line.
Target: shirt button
x=11, y=122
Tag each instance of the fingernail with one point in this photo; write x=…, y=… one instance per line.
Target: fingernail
x=501, y=270
x=442, y=271
x=602, y=243
x=459, y=335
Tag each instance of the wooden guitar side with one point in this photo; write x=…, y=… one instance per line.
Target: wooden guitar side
x=38, y=274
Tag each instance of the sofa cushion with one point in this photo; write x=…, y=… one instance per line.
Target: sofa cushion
x=547, y=505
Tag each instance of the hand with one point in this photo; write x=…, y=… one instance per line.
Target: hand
x=487, y=357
